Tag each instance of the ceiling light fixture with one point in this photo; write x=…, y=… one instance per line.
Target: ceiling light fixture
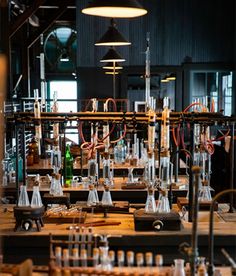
x=115, y=8
x=112, y=37
x=171, y=77
x=111, y=73
x=111, y=66
x=112, y=56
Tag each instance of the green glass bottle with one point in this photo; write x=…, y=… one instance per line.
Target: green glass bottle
x=68, y=172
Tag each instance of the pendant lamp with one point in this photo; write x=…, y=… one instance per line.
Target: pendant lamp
x=112, y=37
x=112, y=56
x=115, y=8
x=111, y=66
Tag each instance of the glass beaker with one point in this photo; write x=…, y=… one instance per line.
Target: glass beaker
x=23, y=198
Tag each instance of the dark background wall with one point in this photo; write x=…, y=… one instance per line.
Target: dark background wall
x=180, y=31
x=202, y=30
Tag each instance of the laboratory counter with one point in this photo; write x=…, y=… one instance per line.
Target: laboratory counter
x=20, y=245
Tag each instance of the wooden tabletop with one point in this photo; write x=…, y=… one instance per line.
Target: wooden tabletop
x=126, y=227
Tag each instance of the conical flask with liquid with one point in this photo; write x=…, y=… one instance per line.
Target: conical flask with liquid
x=23, y=198
x=163, y=205
x=150, y=205
x=106, y=197
x=36, y=200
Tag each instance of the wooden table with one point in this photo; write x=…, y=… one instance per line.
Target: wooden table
x=21, y=245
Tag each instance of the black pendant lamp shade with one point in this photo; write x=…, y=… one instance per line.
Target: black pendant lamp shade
x=112, y=37
x=112, y=56
x=115, y=8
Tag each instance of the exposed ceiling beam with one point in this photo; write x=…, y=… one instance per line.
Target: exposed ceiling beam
x=56, y=14
x=53, y=4
x=21, y=19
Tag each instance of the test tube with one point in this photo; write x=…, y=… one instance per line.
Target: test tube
x=84, y=257
x=120, y=258
x=159, y=260
x=90, y=237
x=58, y=255
x=149, y=258
x=83, y=238
x=66, y=257
x=130, y=258
x=75, y=253
x=95, y=257
x=139, y=259
x=111, y=255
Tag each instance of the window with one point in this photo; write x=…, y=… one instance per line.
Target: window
x=227, y=94
x=67, y=102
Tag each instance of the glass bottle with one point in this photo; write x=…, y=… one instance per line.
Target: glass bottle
x=150, y=206
x=35, y=149
x=163, y=205
x=106, y=197
x=179, y=267
x=36, y=200
x=23, y=198
x=68, y=167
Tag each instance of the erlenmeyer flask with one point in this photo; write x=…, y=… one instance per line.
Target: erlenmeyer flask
x=204, y=192
x=23, y=198
x=106, y=197
x=36, y=200
x=52, y=184
x=163, y=205
x=150, y=206
x=179, y=267
x=91, y=201
x=57, y=185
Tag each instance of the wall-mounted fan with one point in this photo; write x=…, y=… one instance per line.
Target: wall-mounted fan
x=60, y=49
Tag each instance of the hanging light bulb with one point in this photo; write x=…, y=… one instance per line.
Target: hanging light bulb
x=115, y=8
x=112, y=37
